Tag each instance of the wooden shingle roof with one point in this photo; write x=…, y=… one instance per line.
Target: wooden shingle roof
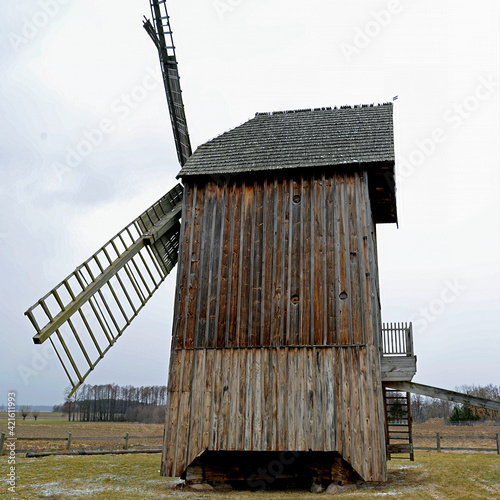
x=317, y=137
x=324, y=137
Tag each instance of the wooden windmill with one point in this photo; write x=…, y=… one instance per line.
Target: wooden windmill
x=278, y=353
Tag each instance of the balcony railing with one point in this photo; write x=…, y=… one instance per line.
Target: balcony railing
x=397, y=339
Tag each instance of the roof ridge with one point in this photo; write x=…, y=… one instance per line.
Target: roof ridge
x=309, y=110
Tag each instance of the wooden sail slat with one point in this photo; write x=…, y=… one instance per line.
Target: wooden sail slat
x=120, y=282
x=62, y=362
x=89, y=330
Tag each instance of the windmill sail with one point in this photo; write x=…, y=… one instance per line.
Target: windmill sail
x=161, y=34
x=84, y=315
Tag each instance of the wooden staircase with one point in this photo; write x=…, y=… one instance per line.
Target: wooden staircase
x=398, y=429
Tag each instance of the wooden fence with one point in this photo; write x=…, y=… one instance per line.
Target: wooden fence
x=70, y=439
x=439, y=438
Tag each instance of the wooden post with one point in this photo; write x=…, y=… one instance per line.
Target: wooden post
x=384, y=393
x=410, y=430
x=409, y=342
x=498, y=443
x=126, y=440
x=2, y=440
x=68, y=446
x=438, y=441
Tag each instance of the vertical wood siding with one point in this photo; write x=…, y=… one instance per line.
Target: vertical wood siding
x=277, y=322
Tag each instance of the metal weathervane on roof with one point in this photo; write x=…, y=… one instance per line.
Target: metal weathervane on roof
x=84, y=315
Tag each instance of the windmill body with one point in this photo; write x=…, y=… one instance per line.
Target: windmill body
x=277, y=333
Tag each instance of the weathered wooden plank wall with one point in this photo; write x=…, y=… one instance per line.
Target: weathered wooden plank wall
x=277, y=322
x=260, y=269
x=275, y=399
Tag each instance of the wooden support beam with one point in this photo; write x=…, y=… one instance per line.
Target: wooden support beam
x=436, y=392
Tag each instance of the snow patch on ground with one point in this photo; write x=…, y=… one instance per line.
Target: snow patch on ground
x=409, y=466
x=49, y=490
x=108, y=477
x=55, y=489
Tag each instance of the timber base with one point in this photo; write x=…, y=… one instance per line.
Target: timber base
x=270, y=469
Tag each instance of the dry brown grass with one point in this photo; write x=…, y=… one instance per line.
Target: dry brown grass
x=435, y=425
x=58, y=427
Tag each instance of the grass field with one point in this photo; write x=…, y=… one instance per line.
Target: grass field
x=432, y=475
x=450, y=475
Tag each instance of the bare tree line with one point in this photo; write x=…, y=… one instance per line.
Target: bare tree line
x=424, y=408
x=111, y=402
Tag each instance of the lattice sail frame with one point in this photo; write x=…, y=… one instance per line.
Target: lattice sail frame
x=89, y=310
x=161, y=34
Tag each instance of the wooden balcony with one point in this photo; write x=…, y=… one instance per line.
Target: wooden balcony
x=399, y=362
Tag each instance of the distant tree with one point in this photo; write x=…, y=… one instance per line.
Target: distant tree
x=396, y=411
x=489, y=391
x=455, y=416
x=418, y=408
x=468, y=414
x=25, y=411
x=463, y=413
x=35, y=414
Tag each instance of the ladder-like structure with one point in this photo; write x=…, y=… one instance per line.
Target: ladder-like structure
x=398, y=425
x=88, y=311
x=161, y=34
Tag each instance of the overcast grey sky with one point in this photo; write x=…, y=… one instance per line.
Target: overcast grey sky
x=69, y=68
